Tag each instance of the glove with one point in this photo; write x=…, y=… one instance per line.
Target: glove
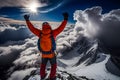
x=65, y=15
x=26, y=17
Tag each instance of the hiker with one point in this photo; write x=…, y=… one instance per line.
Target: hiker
x=46, y=44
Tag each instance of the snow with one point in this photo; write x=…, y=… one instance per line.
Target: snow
x=36, y=77
x=20, y=75
x=95, y=71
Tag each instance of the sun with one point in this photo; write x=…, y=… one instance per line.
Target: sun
x=32, y=7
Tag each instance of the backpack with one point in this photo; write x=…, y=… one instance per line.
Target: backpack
x=49, y=44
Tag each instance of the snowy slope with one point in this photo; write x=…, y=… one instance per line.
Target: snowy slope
x=85, y=61
x=90, y=63
x=95, y=71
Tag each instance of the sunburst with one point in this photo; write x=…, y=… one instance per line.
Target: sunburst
x=32, y=7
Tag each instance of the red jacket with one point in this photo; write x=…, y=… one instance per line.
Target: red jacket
x=54, y=32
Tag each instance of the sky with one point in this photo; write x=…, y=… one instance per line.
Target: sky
x=51, y=10
x=92, y=18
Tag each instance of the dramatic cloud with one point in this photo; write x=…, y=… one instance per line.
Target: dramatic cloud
x=87, y=21
x=14, y=35
x=14, y=40
x=110, y=28
x=28, y=57
x=92, y=23
x=9, y=54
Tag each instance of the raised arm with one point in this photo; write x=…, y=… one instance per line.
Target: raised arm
x=62, y=26
x=31, y=27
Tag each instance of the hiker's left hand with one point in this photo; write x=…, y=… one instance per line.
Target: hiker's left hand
x=65, y=15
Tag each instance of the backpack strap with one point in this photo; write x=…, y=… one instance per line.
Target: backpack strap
x=38, y=43
x=53, y=42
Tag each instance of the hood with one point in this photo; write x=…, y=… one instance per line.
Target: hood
x=46, y=28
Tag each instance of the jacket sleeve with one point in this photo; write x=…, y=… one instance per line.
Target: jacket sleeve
x=60, y=28
x=33, y=29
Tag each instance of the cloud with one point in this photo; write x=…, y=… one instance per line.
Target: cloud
x=24, y=53
x=110, y=28
x=87, y=21
x=9, y=54
x=28, y=57
x=48, y=5
x=18, y=3
x=13, y=3
x=92, y=23
x=68, y=38
x=9, y=20
x=50, y=9
x=14, y=35
x=14, y=40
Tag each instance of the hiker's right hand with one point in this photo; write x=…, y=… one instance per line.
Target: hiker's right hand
x=26, y=17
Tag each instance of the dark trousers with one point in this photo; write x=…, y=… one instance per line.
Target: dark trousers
x=53, y=67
